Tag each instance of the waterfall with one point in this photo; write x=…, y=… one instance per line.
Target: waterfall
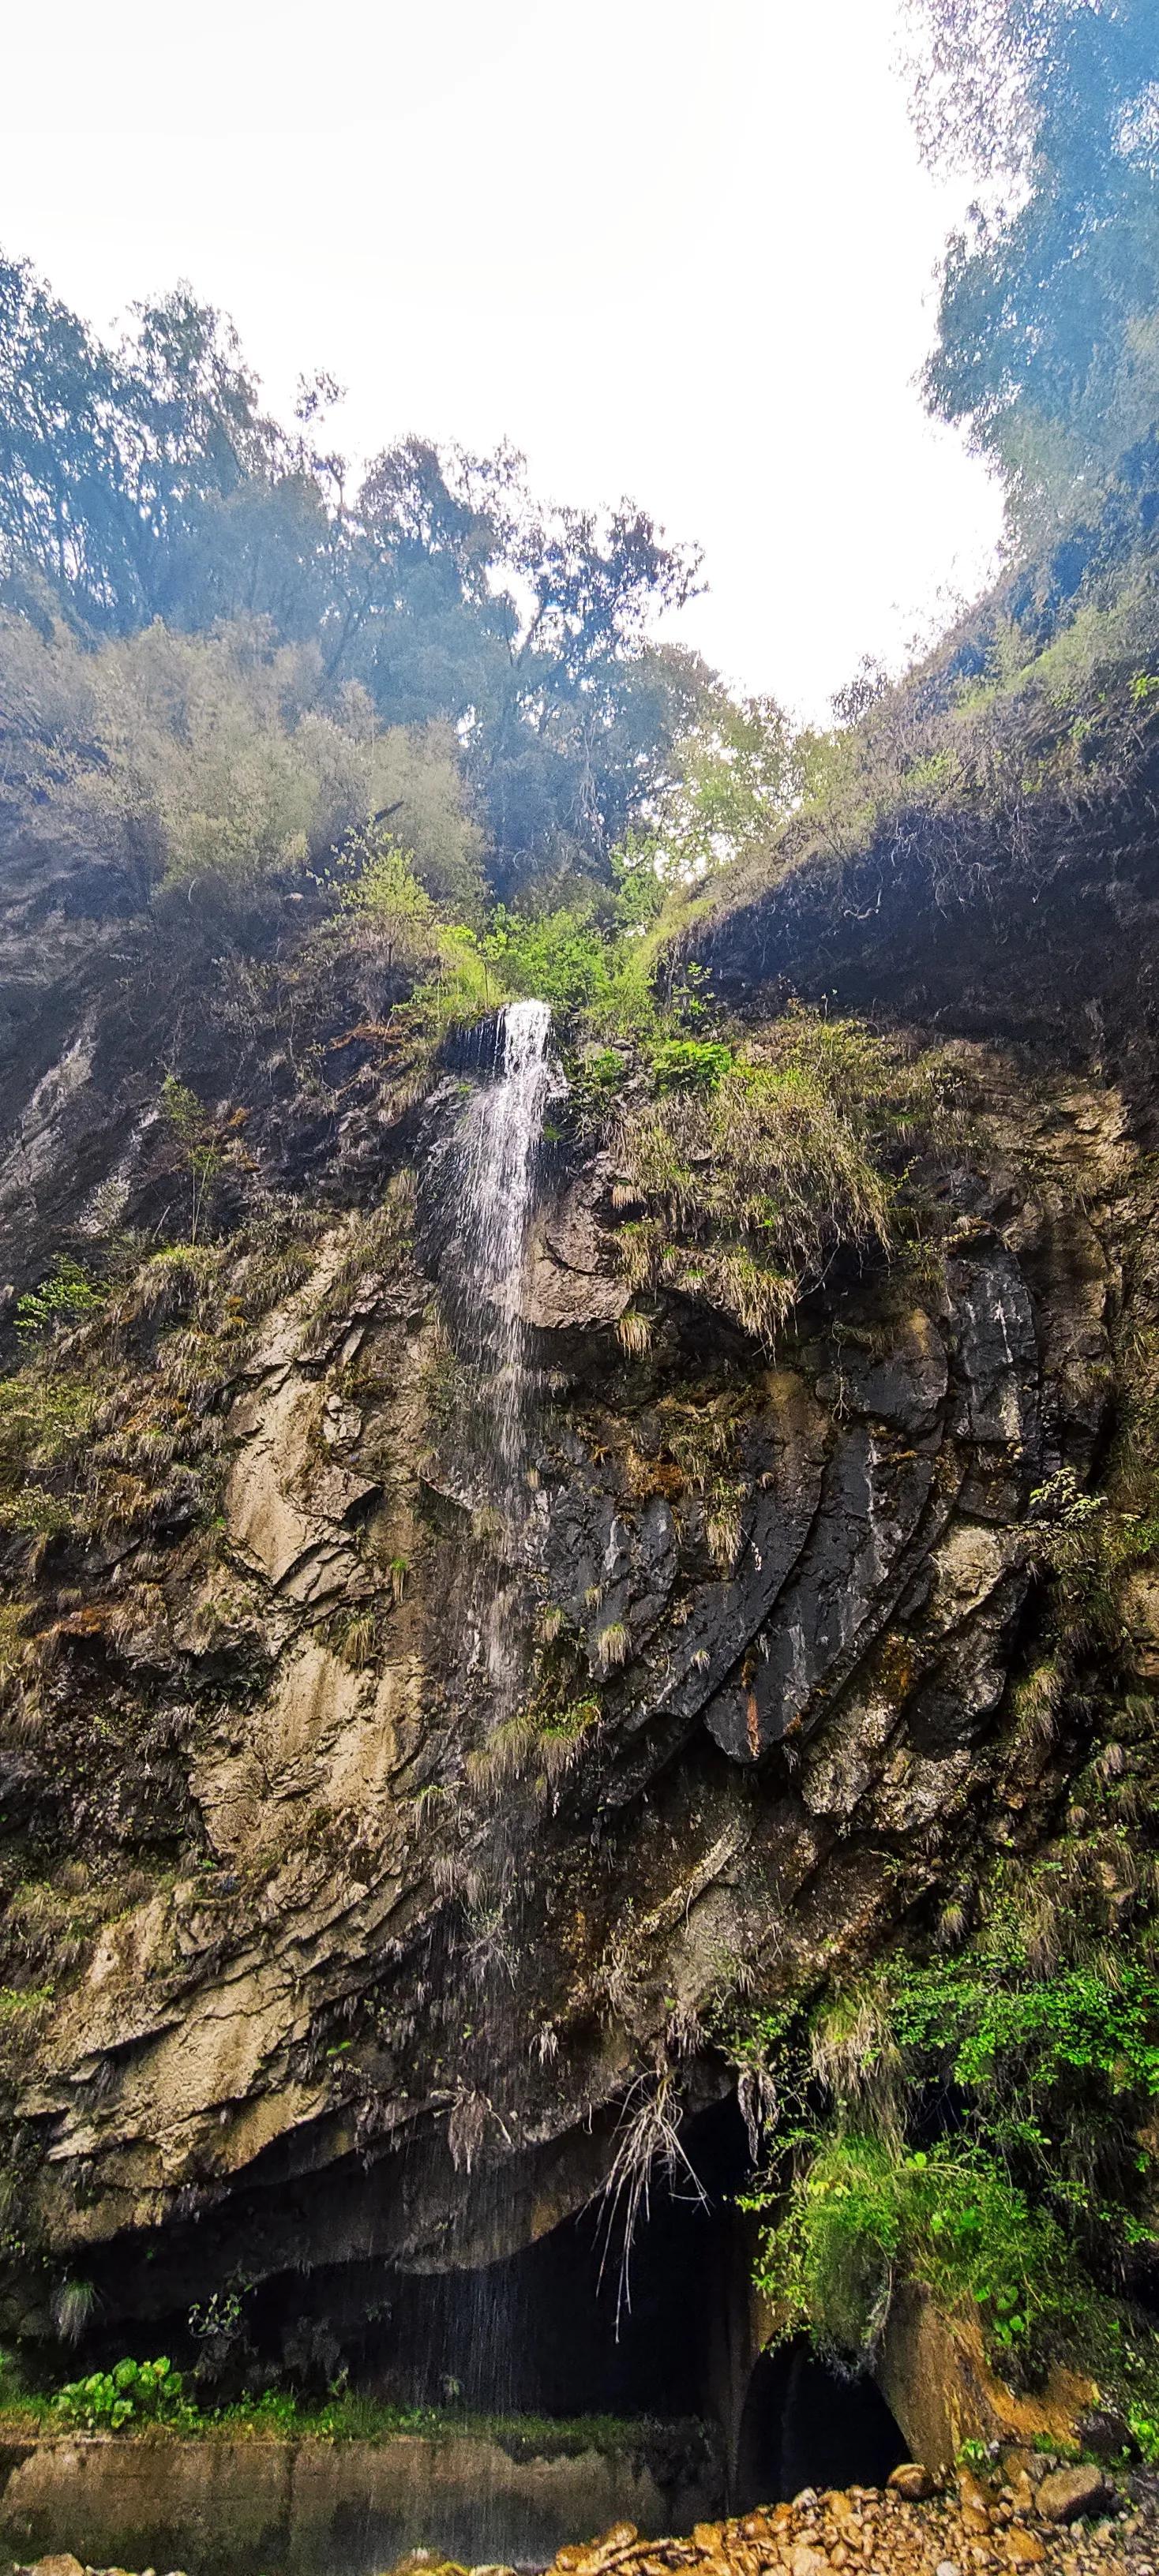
x=493, y=1180
x=496, y=1173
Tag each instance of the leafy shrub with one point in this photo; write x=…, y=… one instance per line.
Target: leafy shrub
x=380, y=885
x=690, y=1064
x=215, y=746
x=863, y=2211
x=67, y=1296
x=559, y=957
x=136, y=2392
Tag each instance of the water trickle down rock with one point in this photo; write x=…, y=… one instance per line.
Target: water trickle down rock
x=495, y=1172
x=496, y=1163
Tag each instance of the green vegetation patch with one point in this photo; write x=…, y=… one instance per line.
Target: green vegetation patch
x=750, y=1169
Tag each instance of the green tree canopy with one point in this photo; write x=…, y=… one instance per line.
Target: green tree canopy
x=145, y=480
x=1048, y=332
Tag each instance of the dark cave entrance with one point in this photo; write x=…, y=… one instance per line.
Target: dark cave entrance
x=805, y=2424
x=554, y=2332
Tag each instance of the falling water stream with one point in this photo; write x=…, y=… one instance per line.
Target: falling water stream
x=494, y=1175
x=496, y=1171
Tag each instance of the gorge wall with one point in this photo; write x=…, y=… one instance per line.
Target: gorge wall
x=282, y=1824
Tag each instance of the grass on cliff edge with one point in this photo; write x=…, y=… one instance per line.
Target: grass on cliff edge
x=998, y=723
x=745, y=1170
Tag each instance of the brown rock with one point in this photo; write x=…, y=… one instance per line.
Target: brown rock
x=1065, y=2493
x=807, y=2561
x=756, y=2526
x=705, y=2535
x=975, y=2519
x=61, y=2564
x=1022, y=2547
x=912, y=2481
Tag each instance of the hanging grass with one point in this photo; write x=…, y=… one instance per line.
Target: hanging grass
x=742, y=1191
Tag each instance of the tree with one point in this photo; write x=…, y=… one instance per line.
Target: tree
x=738, y=777
x=146, y=481
x=1048, y=332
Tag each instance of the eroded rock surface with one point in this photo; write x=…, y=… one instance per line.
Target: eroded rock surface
x=764, y=1609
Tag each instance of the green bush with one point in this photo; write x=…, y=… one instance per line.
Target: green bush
x=136, y=2392
x=67, y=1296
x=863, y=2211
x=690, y=1064
x=559, y=957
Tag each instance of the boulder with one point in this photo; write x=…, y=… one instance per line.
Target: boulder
x=912, y=2481
x=1066, y=2493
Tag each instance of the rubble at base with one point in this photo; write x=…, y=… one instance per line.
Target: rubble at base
x=1033, y=2512
x=975, y=2528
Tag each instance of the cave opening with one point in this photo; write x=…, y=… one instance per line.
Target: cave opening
x=557, y=2332
x=560, y=2329
x=549, y=2331
x=806, y=2423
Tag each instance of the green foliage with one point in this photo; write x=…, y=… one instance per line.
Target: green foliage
x=1047, y=340
x=213, y=750
x=690, y=1064
x=200, y=1143
x=147, y=482
x=1058, y=2071
x=379, y=886
x=976, y=2120
x=751, y=1169
x=418, y=785
x=135, y=2392
x=863, y=2212
x=738, y=776
x=559, y=957
x=68, y=1296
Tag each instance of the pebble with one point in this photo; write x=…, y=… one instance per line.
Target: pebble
x=1027, y=2517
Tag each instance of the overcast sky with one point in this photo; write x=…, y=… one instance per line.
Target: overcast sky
x=675, y=251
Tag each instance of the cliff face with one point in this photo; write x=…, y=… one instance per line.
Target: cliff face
x=326, y=1940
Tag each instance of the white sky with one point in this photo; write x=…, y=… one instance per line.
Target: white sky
x=670, y=249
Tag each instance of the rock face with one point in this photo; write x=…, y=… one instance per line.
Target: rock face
x=758, y=1621
x=769, y=1608
x=237, y=2508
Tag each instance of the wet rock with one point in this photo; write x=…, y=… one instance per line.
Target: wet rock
x=1107, y=2433
x=1066, y=2493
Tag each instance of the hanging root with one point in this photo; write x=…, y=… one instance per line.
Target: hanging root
x=648, y=2136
